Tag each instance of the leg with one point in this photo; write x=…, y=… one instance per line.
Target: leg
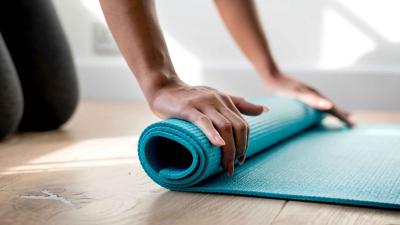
x=11, y=101
x=42, y=58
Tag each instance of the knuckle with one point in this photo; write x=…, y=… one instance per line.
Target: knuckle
x=185, y=105
x=185, y=110
x=226, y=126
x=240, y=125
x=202, y=119
x=188, y=104
x=243, y=127
x=212, y=97
x=224, y=110
x=224, y=96
x=208, y=98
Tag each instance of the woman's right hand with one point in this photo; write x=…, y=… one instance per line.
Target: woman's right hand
x=216, y=114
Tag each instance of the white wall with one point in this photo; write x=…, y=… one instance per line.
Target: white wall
x=348, y=48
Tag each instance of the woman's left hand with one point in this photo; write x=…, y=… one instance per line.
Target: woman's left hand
x=287, y=86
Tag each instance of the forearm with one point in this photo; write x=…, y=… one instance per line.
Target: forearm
x=137, y=32
x=241, y=19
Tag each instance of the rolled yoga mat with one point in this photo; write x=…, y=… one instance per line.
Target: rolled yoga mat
x=290, y=156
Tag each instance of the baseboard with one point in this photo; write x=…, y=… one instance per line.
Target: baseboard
x=354, y=88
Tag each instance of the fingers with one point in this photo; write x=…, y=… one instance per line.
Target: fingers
x=241, y=128
x=344, y=112
x=316, y=101
x=326, y=105
x=220, y=120
x=342, y=116
x=248, y=108
x=232, y=127
x=240, y=132
x=204, y=124
x=219, y=130
x=225, y=128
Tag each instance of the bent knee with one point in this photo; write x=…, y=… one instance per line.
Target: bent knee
x=50, y=113
x=60, y=112
x=10, y=115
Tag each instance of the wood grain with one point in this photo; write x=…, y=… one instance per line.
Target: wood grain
x=88, y=173
x=316, y=214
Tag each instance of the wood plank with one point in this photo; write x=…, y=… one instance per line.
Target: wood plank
x=307, y=213
x=88, y=173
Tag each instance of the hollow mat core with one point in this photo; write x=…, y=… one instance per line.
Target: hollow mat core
x=290, y=156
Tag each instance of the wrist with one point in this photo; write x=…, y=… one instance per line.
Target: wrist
x=271, y=78
x=155, y=81
x=269, y=72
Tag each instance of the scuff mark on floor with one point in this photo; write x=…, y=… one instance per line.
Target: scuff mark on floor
x=48, y=195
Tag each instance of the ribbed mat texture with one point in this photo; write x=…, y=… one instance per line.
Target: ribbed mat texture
x=290, y=156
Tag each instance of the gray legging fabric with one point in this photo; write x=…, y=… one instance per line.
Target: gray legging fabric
x=38, y=84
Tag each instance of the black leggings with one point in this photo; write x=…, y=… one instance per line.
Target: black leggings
x=38, y=84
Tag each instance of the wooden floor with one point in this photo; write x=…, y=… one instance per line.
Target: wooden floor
x=88, y=173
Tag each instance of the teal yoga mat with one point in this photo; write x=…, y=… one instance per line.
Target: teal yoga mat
x=290, y=156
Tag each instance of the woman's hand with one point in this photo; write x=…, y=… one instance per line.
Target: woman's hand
x=290, y=87
x=216, y=114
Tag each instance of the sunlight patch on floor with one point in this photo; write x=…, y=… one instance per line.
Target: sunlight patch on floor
x=84, y=154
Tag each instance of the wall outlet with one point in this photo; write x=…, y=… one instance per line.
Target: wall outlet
x=103, y=42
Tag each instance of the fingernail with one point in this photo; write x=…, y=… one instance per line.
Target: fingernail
x=230, y=168
x=265, y=109
x=349, y=124
x=324, y=104
x=219, y=140
x=241, y=160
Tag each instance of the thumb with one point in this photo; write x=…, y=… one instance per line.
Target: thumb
x=248, y=108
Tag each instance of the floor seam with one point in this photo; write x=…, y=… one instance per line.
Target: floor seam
x=279, y=213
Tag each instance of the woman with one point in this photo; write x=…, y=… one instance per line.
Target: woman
x=137, y=32
x=38, y=89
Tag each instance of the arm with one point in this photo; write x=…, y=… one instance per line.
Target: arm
x=135, y=28
x=241, y=19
